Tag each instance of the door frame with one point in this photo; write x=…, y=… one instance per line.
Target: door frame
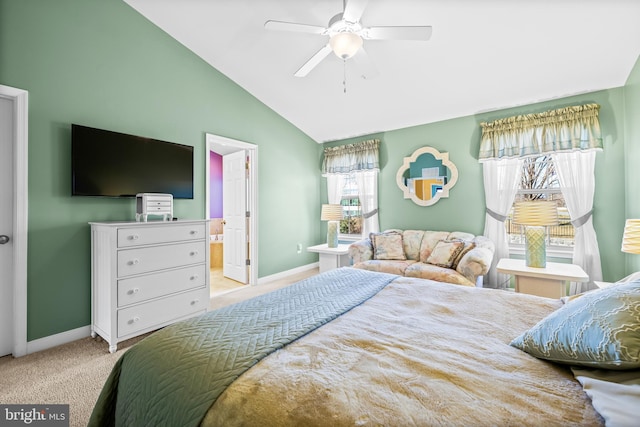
x=223, y=145
x=20, y=100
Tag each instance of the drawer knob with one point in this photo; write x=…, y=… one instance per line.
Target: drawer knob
x=134, y=262
x=134, y=320
x=195, y=301
x=134, y=237
x=194, y=277
x=134, y=291
x=193, y=253
x=194, y=231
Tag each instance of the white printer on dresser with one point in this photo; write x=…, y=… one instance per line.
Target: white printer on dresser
x=146, y=275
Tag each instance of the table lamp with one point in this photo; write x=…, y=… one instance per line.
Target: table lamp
x=631, y=237
x=535, y=216
x=333, y=214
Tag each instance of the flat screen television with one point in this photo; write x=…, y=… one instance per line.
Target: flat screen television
x=112, y=164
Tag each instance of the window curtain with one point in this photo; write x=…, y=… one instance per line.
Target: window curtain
x=368, y=191
x=575, y=172
x=565, y=133
x=501, y=179
x=564, y=129
x=360, y=160
x=335, y=184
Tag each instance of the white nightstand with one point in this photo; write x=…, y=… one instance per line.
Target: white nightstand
x=331, y=258
x=547, y=282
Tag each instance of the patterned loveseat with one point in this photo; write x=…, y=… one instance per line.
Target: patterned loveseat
x=452, y=257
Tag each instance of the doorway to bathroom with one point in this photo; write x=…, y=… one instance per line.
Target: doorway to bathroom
x=231, y=205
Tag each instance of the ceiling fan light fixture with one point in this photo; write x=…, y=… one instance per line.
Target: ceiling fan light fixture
x=345, y=44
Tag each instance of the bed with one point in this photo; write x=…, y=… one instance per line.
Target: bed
x=351, y=347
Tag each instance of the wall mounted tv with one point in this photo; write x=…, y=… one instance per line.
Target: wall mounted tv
x=112, y=164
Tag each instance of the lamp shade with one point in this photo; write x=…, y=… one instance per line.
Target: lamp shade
x=331, y=212
x=537, y=213
x=631, y=236
x=345, y=44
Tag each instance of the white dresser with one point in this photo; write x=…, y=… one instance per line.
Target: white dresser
x=146, y=275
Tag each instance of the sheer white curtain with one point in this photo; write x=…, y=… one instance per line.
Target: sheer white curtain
x=501, y=179
x=368, y=190
x=576, y=175
x=335, y=184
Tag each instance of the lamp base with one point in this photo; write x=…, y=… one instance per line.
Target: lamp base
x=536, y=247
x=332, y=234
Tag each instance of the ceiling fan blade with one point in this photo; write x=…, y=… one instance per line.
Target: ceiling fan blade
x=397, y=33
x=293, y=26
x=353, y=10
x=364, y=64
x=315, y=60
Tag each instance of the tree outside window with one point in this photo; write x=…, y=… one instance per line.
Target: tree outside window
x=539, y=181
x=351, y=208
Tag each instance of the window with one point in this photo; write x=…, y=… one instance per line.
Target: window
x=351, y=208
x=540, y=182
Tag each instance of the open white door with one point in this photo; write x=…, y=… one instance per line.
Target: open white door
x=234, y=212
x=6, y=226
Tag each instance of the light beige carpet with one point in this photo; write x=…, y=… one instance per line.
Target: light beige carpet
x=74, y=373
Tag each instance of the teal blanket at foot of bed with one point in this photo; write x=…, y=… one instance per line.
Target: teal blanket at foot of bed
x=172, y=377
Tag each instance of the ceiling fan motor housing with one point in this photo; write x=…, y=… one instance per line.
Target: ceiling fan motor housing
x=344, y=37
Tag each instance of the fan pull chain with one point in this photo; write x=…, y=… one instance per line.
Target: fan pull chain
x=344, y=75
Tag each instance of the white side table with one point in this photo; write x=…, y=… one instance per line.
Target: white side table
x=547, y=282
x=331, y=258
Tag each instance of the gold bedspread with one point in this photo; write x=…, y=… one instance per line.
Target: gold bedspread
x=420, y=353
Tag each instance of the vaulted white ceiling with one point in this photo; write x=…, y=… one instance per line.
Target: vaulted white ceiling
x=483, y=55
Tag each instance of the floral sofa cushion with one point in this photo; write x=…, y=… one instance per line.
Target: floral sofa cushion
x=390, y=266
x=387, y=246
x=461, y=258
x=433, y=272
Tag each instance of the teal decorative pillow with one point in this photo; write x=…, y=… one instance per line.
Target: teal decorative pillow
x=601, y=329
x=387, y=245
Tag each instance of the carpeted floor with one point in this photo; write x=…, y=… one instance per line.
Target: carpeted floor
x=74, y=373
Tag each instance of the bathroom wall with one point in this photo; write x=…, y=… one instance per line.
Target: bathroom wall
x=215, y=185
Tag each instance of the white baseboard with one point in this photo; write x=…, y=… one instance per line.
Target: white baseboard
x=85, y=331
x=58, y=339
x=283, y=274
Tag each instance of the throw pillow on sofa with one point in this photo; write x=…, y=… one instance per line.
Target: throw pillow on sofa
x=445, y=253
x=468, y=245
x=429, y=242
x=388, y=246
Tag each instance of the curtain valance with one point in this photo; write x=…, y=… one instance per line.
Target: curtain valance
x=349, y=158
x=565, y=129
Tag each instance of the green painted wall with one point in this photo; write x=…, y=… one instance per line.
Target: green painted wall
x=465, y=208
x=101, y=64
x=632, y=154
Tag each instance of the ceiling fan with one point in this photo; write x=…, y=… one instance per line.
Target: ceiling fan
x=346, y=37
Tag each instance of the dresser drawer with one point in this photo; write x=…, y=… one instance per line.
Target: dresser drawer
x=158, y=208
x=148, y=286
x=137, y=236
x=152, y=258
x=155, y=313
